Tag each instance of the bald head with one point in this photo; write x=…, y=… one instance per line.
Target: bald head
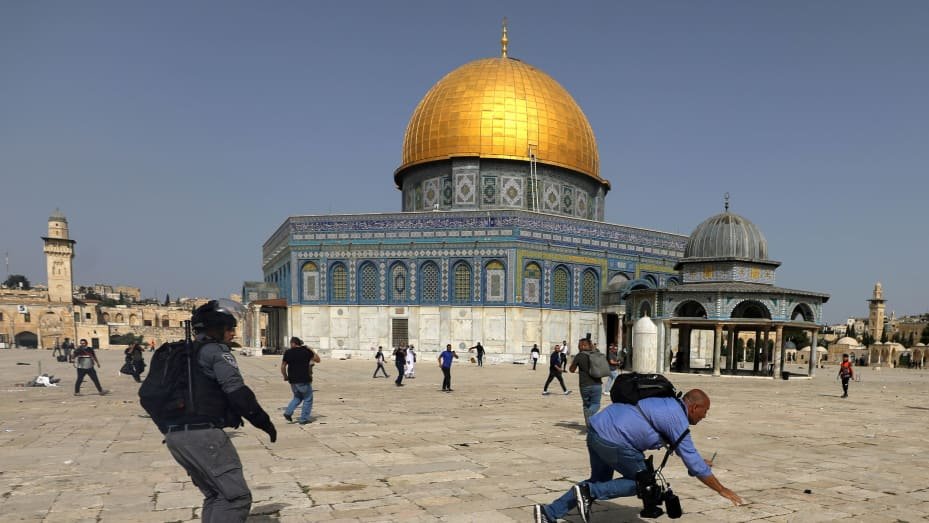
x=697, y=403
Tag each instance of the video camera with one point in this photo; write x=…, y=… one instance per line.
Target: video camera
x=653, y=490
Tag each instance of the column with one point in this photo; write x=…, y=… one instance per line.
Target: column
x=717, y=347
x=755, y=361
x=813, y=358
x=764, y=351
x=731, y=360
x=778, y=343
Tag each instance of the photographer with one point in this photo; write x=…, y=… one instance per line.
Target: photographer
x=616, y=440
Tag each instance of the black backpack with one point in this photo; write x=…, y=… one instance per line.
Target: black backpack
x=632, y=387
x=167, y=392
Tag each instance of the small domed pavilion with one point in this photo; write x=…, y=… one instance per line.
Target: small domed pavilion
x=727, y=288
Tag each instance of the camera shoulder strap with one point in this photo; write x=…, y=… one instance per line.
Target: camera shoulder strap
x=671, y=446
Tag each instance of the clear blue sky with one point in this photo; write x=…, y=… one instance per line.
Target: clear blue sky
x=177, y=136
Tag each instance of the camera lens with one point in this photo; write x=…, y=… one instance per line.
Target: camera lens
x=672, y=504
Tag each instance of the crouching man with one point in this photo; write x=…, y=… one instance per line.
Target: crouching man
x=616, y=440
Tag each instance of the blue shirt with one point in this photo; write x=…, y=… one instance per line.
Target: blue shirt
x=623, y=424
x=447, y=356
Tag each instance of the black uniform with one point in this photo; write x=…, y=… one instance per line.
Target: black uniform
x=198, y=442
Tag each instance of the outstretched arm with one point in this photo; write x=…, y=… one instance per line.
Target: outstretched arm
x=714, y=484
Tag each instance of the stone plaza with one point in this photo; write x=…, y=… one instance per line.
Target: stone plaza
x=486, y=452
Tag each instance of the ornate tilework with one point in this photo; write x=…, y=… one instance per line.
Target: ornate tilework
x=398, y=282
x=369, y=282
x=418, y=198
x=447, y=191
x=339, y=282
x=462, y=291
x=551, y=197
x=496, y=278
x=567, y=199
x=443, y=277
x=489, y=190
x=476, y=286
x=589, y=290
x=310, y=281
x=382, y=277
x=430, y=275
x=431, y=194
x=581, y=205
x=560, y=287
x=412, y=280
x=531, y=277
x=511, y=193
x=465, y=188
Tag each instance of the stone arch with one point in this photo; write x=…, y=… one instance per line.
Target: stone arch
x=309, y=281
x=26, y=339
x=369, y=284
x=134, y=320
x=338, y=282
x=461, y=282
x=752, y=309
x=561, y=286
x=590, y=289
x=106, y=317
x=804, y=311
x=690, y=309
x=645, y=309
x=651, y=279
x=119, y=318
x=495, y=281
x=430, y=286
x=532, y=282
x=672, y=281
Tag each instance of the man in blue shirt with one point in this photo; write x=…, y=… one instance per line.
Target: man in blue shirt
x=445, y=363
x=616, y=440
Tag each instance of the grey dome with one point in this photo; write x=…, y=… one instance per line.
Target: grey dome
x=727, y=235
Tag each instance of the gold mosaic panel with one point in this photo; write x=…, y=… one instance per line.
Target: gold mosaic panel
x=498, y=108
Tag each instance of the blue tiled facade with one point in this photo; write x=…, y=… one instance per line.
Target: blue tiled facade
x=442, y=258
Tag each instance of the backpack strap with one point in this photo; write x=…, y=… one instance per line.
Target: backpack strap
x=671, y=446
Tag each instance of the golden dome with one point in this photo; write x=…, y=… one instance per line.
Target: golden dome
x=501, y=108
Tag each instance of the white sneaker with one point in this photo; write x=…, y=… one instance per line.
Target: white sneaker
x=545, y=393
x=567, y=392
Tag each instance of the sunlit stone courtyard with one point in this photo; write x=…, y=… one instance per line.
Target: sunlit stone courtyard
x=484, y=453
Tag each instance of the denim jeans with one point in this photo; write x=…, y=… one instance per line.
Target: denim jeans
x=302, y=392
x=590, y=395
x=605, y=457
x=609, y=384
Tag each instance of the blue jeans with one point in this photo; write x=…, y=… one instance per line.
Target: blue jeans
x=302, y=392
x=590, y=396
x=605, y=457
x=613, y=375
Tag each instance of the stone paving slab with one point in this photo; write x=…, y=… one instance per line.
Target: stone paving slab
x=484, y=453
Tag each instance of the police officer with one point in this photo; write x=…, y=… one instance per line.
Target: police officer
x=197, y=440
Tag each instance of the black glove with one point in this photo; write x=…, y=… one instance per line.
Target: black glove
x=268, y=427
x=244, y=402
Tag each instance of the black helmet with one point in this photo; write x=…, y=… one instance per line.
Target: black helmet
x=213, y=314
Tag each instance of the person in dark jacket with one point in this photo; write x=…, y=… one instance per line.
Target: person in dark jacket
x=197, y=440
x=297, y=368
x=135, y=359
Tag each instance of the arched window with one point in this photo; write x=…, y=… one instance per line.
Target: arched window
x=310, y=281
x=560, y=280
x=398, y=283
x=495, y=282
x=134, y=320
x=532, y=278
x=430, y=282
x=339, y=281
x=119, y=317
x=462, y=283
x=589, y=289
x=369, y=282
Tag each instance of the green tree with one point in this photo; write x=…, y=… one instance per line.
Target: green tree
x=924, y=335
x=167, y=299
x=867, y=339
x=851, y=331
x=884, y=336
x=14, y=281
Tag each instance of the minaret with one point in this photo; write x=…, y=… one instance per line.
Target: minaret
x=59, y=251
x=876, y=312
